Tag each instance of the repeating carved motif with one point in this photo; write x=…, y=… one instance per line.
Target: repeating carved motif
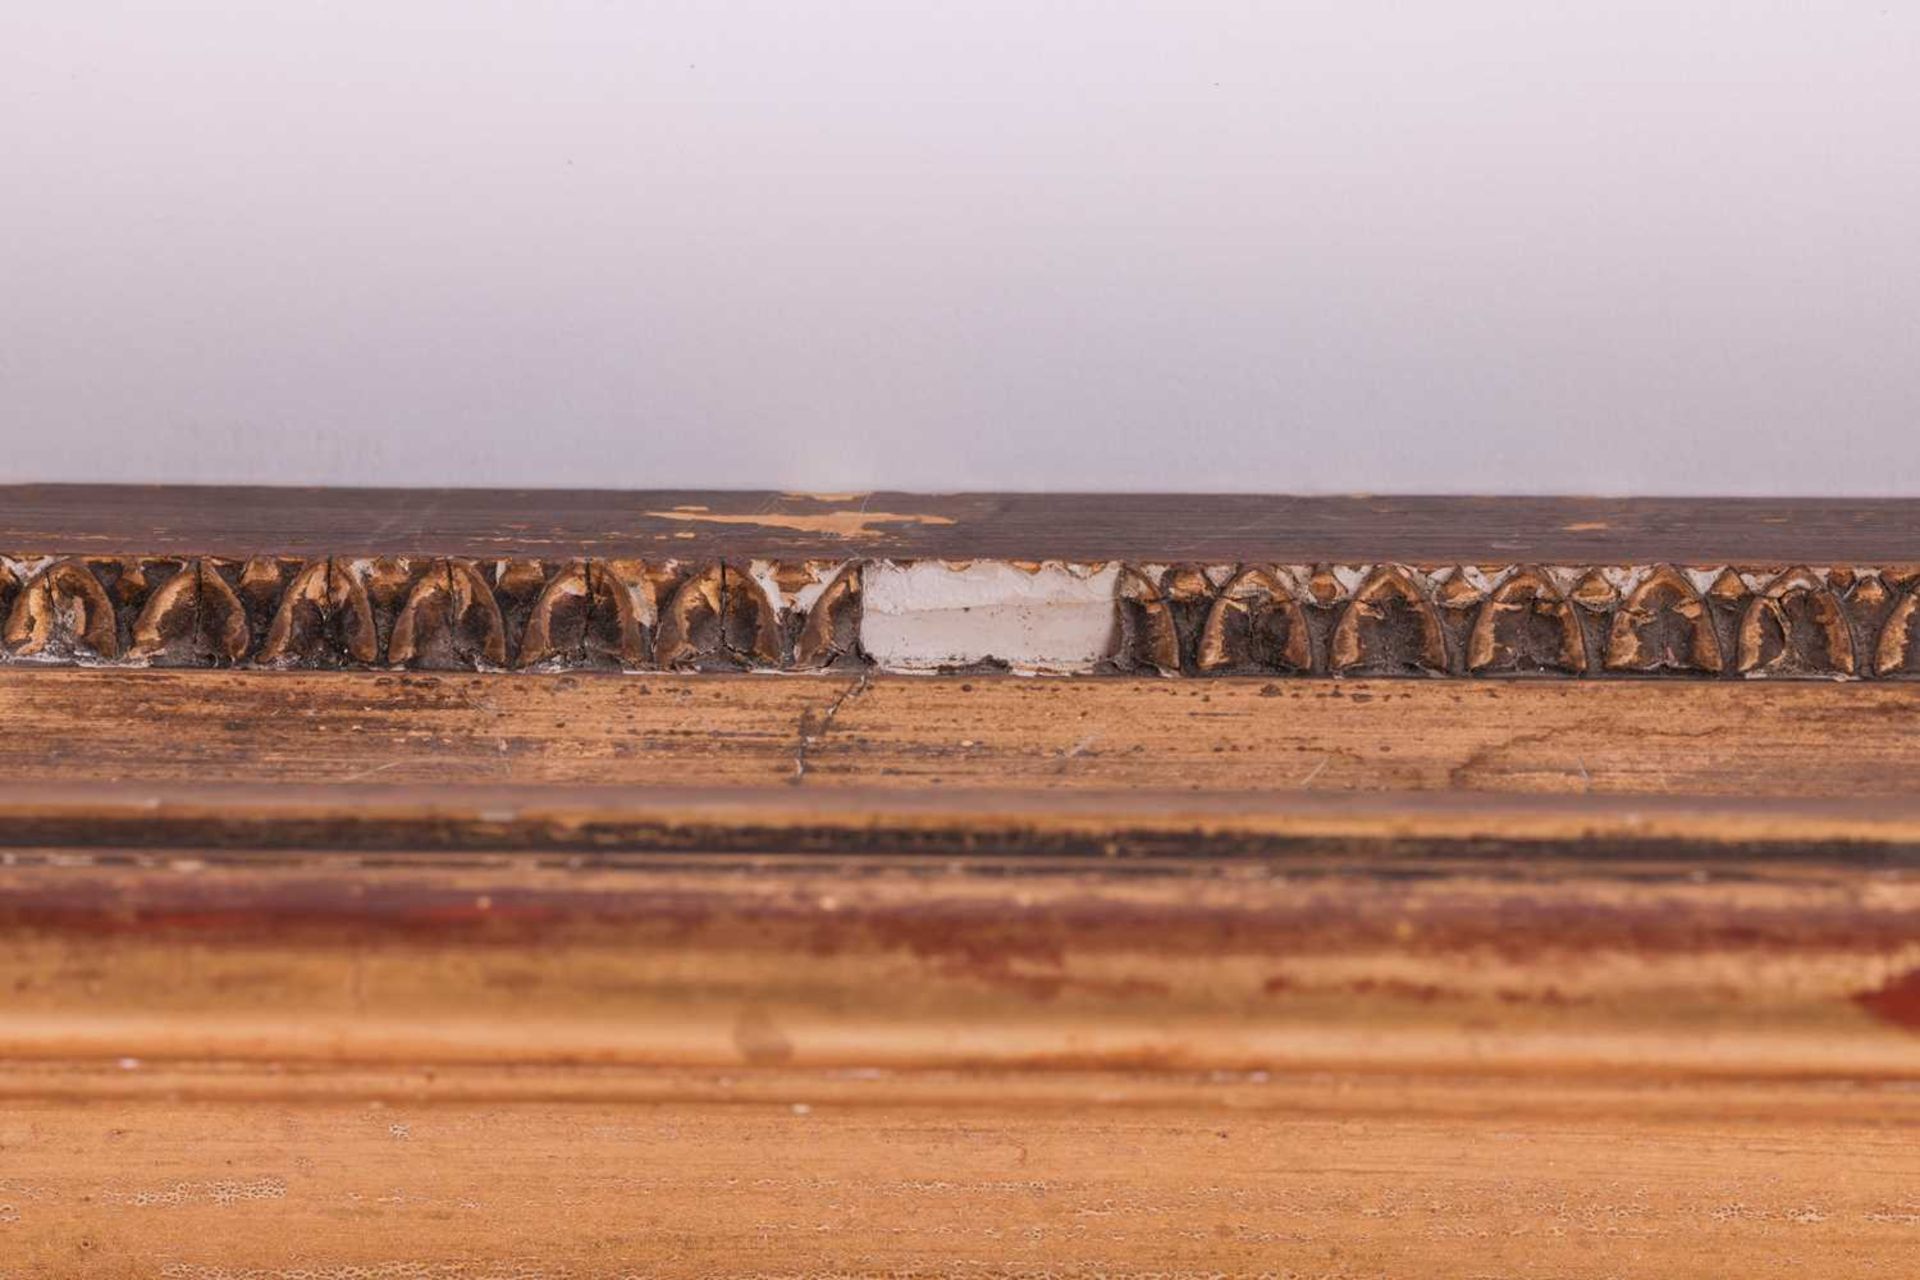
x=1898, y=650
x=450, y=621
x=827, y=633
x=194, y=618
x=1796, y=627
x=719, y=618
x=1256, y=622
x=63, y=611
x=1526, y=624
x=1149, y=638
x=324, y=619
x=1195, y=620
x=588, y=614
x=1663, y=626
x=1389, y=627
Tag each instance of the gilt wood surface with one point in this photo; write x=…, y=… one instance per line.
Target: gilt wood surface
x=491, y=1062
x=1393, y=1056
x=1539, y=814
x=617, y=946
x=1707, y=738
x=392, y=1175
x=1371, y=960
x=631, y=825
x=1077, y=584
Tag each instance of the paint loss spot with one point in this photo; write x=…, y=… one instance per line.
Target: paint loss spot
x=837, y=524
x=1896, y=1001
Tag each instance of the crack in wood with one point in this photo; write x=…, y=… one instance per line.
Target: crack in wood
x=818, y=730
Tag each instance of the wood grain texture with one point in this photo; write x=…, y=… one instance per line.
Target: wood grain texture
x=1196, y=586
x=542, y=1175
x=1356, y=963
x=335, y=1063
x=1002, y=978
x=1805, y=740
x=403, y=974
x=629, y=824
x=227, y=521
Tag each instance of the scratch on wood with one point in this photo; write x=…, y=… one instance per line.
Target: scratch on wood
x=812, y=730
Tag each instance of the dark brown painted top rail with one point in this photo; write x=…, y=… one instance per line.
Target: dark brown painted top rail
x=209, y=520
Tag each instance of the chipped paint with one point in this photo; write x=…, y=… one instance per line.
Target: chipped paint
x=795, y=584
x=837, y=524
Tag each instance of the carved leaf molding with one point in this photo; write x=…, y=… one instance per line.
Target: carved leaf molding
x=1383, y=619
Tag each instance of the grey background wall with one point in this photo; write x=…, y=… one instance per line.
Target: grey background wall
x=1469, y=245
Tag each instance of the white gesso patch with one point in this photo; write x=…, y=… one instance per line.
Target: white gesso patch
x=929, y=614
x=802, y=598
